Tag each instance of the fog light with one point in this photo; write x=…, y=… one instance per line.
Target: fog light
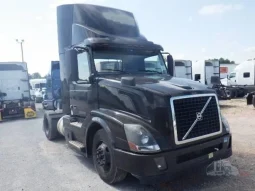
x=161, y=163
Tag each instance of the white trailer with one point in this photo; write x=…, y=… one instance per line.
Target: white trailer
x=183, y=69
x=203, y=70
x=14, y=91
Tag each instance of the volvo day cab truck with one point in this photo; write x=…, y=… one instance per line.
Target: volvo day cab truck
x=53, y=88
x=14, y=91
x=130, y=118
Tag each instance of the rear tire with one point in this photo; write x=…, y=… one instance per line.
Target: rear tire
x=104, y=160
x=50, y=127
x=253, y=100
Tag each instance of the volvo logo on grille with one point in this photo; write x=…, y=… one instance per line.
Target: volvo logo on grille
x=199, y=116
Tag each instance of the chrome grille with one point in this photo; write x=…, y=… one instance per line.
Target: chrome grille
x=195, y=117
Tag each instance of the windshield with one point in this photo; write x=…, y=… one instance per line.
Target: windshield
x=232, y=75
x=129, y=62
x=41, y=85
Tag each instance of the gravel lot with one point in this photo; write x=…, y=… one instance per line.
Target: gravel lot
x=29, y=162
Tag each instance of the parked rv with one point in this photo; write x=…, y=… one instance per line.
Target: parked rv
x=14, y=91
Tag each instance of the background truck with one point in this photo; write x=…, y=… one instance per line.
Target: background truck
x=208, y=72
x=136, y=118
x=242, y=79
x=14, y=91
x=183, y=69
x=226, y=69
x=38, y=88
x=53, y=88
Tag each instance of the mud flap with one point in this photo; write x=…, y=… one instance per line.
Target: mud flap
x=29, y=113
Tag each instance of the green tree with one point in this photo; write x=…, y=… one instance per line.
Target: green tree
x=36, y=75
x=223, y=61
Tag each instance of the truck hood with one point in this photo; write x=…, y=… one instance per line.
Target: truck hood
x=163, y=84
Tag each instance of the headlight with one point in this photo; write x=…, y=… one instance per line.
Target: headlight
x=225, y=123
x=139, y=139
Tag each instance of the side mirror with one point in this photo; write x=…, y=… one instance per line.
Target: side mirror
x=170, y=65
x=71, y=60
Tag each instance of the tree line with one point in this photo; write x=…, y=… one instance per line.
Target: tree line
x=36, y=75
x=224, y=61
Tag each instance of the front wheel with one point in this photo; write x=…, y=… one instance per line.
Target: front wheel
x=104, y=160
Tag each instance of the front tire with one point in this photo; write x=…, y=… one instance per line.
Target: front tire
x=104, y=160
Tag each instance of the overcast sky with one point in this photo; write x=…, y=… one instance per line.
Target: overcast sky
x=189, y=29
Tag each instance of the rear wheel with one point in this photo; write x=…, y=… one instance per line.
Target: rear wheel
x=50, y=127
x=104, y=160
x=253, y=100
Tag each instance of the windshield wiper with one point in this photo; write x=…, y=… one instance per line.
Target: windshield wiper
x=150, y=71
x=115, y=70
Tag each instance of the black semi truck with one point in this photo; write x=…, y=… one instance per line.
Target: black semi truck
x=128, y=115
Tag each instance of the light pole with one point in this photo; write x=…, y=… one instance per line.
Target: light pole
x=21, y=46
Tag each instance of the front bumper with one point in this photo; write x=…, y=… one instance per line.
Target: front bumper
x=164, y=166
x=26, y=112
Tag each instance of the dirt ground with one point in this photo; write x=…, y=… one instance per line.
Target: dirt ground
x=30, y=162
x=241, y=119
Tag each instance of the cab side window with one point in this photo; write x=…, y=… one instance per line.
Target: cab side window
x=246, y=74
x=83, y=66
x=197, y=77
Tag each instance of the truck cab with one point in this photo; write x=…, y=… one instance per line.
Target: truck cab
x=53, y=88
x=203, y=70
x=183, y=69
x=121, y=104
x=14, y=91
x=38, y=89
